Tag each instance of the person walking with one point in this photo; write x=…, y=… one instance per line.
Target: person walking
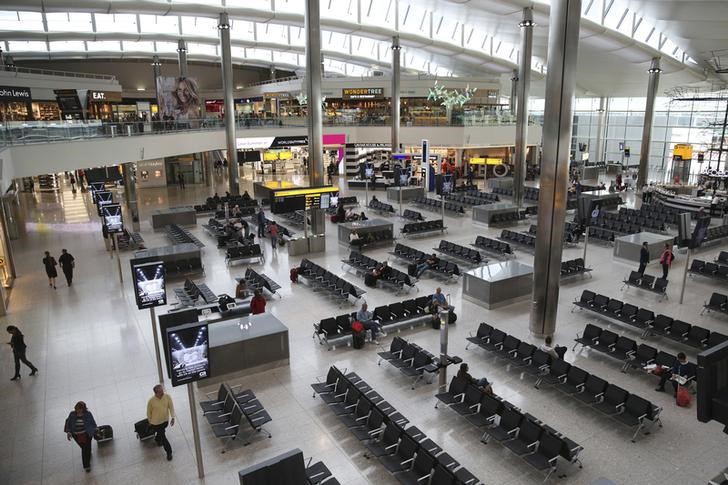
x=181, y=180
x=67, y=262
x=17, y=343
x=666, y=260
x=81, y=426
x=72, y=181
x=261, y=223
x=273, y=234
x=160, y=413
x=50, y=267
x=644, y=258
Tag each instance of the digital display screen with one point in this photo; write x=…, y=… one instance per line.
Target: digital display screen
x=149, y=284
x=112, y=218
x=325, y=201
x=447, y=182
x=285, y=201
x=188, y=353
x=103, y=197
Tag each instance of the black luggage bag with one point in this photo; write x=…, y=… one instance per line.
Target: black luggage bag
x=358, y=340
x=104, y=433
x=370, y=280
x=412, y=269
x=143, y=430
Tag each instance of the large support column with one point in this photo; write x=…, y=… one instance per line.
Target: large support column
x=131, y=195
x=156, y=72
x=602, y=114
x=524, y=84
x=229, y=106
x=395, y=93
x=512, y=100
x=313, y=90
x=272, y=73
x=652, y=83
x=558, y=118
x=182, y=57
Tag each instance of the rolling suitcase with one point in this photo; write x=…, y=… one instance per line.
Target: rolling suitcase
x=412, y=269
x=143, y=430
x=370, y=280
x=104, y=433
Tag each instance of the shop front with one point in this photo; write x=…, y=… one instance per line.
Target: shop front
x=101, y=104
x=46, y=110
x=9, y=230
x=15, y=104
x=69, y=103
x=189, y=166
x=151, y=173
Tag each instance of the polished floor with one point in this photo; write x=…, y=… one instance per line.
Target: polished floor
x=91, y=343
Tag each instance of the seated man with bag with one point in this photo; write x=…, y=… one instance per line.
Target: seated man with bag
x=365, y=317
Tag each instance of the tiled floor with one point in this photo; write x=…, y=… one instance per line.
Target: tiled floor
x=92, y=344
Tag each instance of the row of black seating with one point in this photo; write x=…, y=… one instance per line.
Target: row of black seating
x=658, y=211
x=247, y=205
x=391, y=317
x=574, y=267
x=522, y=433
x=463, y=253
x=373, y=238
x=465, y=188
x=422, y=227
x=227, y=410
x=130, y=240
x=711, y=270
x=283, y=231
x=718, y=302
x=526, y=240
x=382, y=207
x=436, y=205
x=320, y=278
x=646, y=282
x=722, y=258
x=297, y=217
x=349, y=201
x=414, y=361
x=223, y=234
x=715, y=233
x=529, y=193
x=291, y=467
x=412, y=215
x=180, y=235
x=191, y=292
x=644, y=219
x=506, y=217
x=650, y=324
x=613, y=401
x=394, y=277
x=182, y=267
x=614, y=225
x=472, y=198
x=243, y=253
x=412, y=255
x=259, y=281
x=572, y=231
x=408, y=454
x=493, y=246
x=641, y=357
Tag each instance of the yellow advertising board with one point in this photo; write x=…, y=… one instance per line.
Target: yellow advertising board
x=684, y=150
x=493, y=161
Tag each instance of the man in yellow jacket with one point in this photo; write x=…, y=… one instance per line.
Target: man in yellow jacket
x=159, y=411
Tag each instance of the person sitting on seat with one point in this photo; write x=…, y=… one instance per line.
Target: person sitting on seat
x=236, y=213
x=439, y=301
x=682, y=368
x=482, y=382
x=246, y=195
x=553, y=350
x=381, y=271
x=431, y=262
x=363, y=217
x=355, y=240
x=340, y=213
x=365, y=317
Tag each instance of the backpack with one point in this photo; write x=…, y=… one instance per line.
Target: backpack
x=294, y=275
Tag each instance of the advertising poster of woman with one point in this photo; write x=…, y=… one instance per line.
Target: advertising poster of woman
x=179, y=98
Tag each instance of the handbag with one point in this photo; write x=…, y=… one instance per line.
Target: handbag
x=683, y=397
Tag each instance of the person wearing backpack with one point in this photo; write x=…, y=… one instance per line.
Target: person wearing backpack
x=666, y=260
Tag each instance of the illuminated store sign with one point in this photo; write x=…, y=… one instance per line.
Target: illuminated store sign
x=362, y=93
x=13, y=93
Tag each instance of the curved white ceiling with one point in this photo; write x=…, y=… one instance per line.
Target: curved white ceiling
x=461, y=38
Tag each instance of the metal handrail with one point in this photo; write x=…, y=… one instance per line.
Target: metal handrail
x=53, y=72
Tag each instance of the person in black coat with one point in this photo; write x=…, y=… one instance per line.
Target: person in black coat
x=67, y=262
x=50, y=267
x=644, y=258
x=17, y=343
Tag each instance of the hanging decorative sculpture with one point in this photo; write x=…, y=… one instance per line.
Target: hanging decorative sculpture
x=450, y=97
x=302, y=99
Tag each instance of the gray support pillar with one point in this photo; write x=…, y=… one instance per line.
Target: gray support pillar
x=229, y=106
x=395, y=93
x=182, y=57
x=652, y=83
x=272, y=73
x=602, y=114
x=558, y=118
x=156, y=72
x=131, y=195
x=524, y=84
x=313, y=90
x=512, y=101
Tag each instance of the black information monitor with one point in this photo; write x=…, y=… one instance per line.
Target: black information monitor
x=112, y=218
x=149, y=284
x=188, y=353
